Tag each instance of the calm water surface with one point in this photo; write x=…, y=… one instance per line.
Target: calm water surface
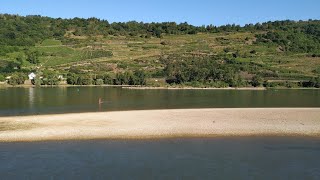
x=19, y=101
x=219, y=158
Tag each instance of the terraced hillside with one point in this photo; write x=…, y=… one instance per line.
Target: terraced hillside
x=271, y=54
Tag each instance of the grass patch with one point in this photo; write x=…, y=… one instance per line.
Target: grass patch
x=51, y=42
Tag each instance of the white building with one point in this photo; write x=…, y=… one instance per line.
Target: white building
x=32, y=76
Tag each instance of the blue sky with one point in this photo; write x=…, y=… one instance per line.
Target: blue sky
x=196, y=12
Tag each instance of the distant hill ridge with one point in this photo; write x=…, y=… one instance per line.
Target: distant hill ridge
x=18, y=30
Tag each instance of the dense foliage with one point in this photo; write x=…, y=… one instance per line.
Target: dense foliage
x=95, y=52
x=296, y=37
x=17, y=79
x=206, y=70
x=126, y=78
x=25, y=31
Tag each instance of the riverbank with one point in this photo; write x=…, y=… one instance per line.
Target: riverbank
x=136, y=87
x=195, y=88
x=62, y=85
x=162, y=124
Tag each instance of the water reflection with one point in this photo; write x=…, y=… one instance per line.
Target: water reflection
x=31, y=97
x=16, y=101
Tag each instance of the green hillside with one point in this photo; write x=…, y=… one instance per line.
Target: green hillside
x=93, y=51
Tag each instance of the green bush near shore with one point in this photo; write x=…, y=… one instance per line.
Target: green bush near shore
x=127, y=78
x=17, y=79
x=2, y=78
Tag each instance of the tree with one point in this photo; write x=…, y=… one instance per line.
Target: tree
x=140, y=77
x=33, y=57
x=85, y=80
x=37, y=80
x=121, y=79
x=99, y=82
x=72, y=78
x=107, y=79
x=17, y=79
x=50, y=78
x=11, y=66
x=256, y=81
x=2, y=78
x=157, y=33
x=20, y=61
x=315, y=82
x=128, y=78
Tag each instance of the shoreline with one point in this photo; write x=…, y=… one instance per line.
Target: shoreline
x=137, y=87
x=195, y=88
x=132, y=87
x=162, y=124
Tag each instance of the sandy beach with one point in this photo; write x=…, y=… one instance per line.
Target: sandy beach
x=162, y=124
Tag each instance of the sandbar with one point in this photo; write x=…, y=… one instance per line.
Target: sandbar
x=168, y=123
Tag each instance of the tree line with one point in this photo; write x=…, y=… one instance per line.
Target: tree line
x=121, y=78
x=216, y=71
x=18, y=30
x=205, y=73
x=305, y=39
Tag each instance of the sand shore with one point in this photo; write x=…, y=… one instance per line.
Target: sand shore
x=162, y=124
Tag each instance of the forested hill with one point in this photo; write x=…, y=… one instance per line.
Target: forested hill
x=17, y=30
x=279, y=50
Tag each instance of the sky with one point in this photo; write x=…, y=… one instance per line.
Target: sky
x=196, y=12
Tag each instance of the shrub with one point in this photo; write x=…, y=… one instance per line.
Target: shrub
x=253, y=52
x=139, y=77
x=164, y=43
x=84, y=80
x=50, y=78
x=99, y=82
x=72, y=79
x=256, y=81
x=17, y=78
x=2, y=78
x=317, y=70
x=291, y=84
x=107, y=79
x=315, y=82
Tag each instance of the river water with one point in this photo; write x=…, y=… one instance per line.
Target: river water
x=185, y=158
x=213, y=158
x=20, y=101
